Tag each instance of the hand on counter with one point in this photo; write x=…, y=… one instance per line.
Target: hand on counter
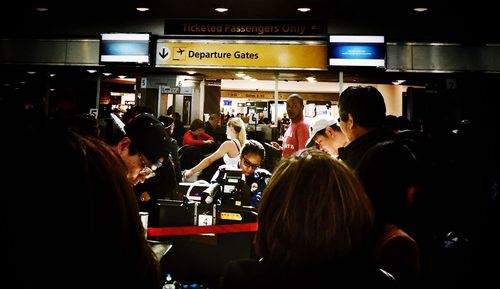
x=186, y=174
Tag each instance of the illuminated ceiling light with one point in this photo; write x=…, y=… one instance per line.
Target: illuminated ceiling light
x=31, y=72
x=52, y=74
x=142, y=9
x=91, y=70
x=304, y=9
x=52, y=89
x=190, y=72
x=398, y=82
x=240, y=74
x=421, y=9
x=221, y=9
x=122, y=76
x=311, y=79
x=42, y=9
x=106, y=73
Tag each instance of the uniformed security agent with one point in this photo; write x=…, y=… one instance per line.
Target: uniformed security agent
x=251, y=156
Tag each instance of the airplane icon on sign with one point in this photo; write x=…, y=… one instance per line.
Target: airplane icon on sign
x=179, y=53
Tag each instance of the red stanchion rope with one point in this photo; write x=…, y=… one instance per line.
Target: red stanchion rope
x=196, y=230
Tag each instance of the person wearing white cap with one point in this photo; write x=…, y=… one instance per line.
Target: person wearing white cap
x=326, y=134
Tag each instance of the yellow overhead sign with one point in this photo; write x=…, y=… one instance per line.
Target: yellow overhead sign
x=269, y=55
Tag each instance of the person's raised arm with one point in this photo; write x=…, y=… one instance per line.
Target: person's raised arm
x=219, y=153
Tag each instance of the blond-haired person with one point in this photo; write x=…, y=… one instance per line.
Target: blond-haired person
x=228, y=150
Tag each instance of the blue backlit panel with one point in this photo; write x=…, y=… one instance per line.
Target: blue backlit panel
x=357, y=51
x=132, y=48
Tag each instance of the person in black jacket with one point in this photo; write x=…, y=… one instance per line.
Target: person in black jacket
x=179, y=130
x=163, y=184
x=362, y=115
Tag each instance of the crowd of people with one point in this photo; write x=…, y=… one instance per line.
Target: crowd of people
x=342, y=206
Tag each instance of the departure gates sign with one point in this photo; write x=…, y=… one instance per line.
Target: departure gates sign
x=236, y=54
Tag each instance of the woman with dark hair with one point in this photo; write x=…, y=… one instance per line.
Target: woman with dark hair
x=76, y=221
x=179, y=130
x=316, y=227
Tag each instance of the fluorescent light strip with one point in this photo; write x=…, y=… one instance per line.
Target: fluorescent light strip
x=125, y=36
x=356, y=39
x=124, y=58
x=422, y=9
x=357, y=62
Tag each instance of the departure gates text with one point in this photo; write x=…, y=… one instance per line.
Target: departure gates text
x=222, y=55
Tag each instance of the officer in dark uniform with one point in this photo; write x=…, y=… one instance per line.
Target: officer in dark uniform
x=253, y=178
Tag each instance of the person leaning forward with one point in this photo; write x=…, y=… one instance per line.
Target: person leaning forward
x=142, y=145
x=327, y=135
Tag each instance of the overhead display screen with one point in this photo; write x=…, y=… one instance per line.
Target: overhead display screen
x=126, y=48
x=352, y=50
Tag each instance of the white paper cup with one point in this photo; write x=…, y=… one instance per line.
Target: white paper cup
x=144, y=220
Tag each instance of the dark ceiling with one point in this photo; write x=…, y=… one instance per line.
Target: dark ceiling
x=446, y=21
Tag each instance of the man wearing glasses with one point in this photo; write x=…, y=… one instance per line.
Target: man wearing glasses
x=142, y=145
x=251, y=156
